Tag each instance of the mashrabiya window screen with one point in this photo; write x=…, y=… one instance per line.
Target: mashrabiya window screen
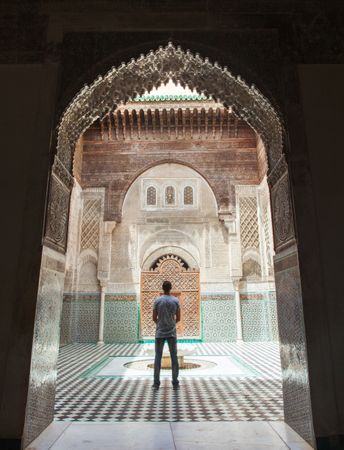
x=151, y=196
x=170, y=195
x=188, y=195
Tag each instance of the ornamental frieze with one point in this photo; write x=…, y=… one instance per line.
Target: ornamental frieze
x=121, y=84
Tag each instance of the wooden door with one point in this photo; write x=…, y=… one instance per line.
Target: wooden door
x=185, y=286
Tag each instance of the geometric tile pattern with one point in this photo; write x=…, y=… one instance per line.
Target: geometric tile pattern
x=221, y=398
x=214, y=328
x=259, y=320
x=121, y=321
x=80, y=318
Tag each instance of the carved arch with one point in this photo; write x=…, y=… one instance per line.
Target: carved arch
x=157, y=67
x=131, y=181
x=131, y=79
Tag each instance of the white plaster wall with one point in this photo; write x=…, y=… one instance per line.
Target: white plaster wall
x=144, y=229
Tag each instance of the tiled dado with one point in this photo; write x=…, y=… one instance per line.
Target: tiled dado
x=80, y=317
x=297, y=406
x=218, y=319
x=259, y=317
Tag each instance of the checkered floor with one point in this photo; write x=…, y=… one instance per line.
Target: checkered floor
x=84, y=396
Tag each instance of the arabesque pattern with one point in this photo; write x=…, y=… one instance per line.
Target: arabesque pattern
x=185, y=284
x=157, y=67
x=249, y=223
x=90, y=224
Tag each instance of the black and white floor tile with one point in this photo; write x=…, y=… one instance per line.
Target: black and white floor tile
x=84, y=396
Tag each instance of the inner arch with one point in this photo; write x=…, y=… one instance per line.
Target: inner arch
x=134, y=78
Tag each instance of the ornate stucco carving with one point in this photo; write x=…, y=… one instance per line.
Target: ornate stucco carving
x=62, y=173
x=277, y=171
x=128, y=80
x=282, y=213
x=170, y=62
x=57, y=216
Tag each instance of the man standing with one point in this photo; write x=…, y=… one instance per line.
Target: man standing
x=166, y=313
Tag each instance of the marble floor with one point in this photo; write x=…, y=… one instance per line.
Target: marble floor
x=104, y=400
x=112, y=383
x=169, y=436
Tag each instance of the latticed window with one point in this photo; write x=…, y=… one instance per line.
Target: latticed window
x=188, y=195
x=170, y=195
x=151, y=196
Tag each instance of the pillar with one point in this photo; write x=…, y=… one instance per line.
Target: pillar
x=235, y=265
x=104, y=264
x=236, y=284
x=103, y=287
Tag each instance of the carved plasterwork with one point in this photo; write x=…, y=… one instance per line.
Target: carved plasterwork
x=277, y=171
x=282, y=213
x=131, y=79
x=62, y=173
x=57, y=216
x=90, y=223
x=123, y=83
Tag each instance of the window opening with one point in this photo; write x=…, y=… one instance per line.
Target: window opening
x=170, y=195
x=188, y=196
x=151, y=196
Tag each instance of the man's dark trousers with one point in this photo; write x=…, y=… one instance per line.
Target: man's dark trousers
x=159, y=346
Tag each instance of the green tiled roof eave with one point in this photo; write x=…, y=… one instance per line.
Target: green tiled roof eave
x=162, y=98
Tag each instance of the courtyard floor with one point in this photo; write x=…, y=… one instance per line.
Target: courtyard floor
x=112, y=383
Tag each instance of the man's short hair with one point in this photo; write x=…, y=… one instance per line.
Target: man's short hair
x=167, y=286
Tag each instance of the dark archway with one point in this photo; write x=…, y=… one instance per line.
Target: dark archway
x=118, y=86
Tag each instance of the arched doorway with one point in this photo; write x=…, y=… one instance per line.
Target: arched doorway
x=185, y=286
x=118, y=86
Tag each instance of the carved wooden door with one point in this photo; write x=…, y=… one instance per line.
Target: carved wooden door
x=185, y=286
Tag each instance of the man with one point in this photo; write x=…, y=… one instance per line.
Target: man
x=166, y=313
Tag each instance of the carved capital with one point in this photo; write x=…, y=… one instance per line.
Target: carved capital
x=103, y=284
x=109, y=226
x=236, y=283
x=229, y=222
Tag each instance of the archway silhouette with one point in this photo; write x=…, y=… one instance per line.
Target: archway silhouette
x=157, y=67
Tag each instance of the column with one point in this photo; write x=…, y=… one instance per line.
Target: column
x=235, y=265
x=104, y=264
x=236, y=283
x=234, y=245
x=103, y=287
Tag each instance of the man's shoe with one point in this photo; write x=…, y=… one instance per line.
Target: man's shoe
x=155, y=387
x=176, y=387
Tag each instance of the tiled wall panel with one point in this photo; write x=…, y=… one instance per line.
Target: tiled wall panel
x=121, y=321
x=218, y=319
x=259, y=320
x=80, y=319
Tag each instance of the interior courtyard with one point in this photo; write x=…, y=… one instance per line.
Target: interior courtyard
x=169, y=185
x=185, y=180
x=196, y=142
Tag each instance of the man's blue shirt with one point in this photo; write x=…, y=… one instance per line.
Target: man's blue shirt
x=166, y=307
